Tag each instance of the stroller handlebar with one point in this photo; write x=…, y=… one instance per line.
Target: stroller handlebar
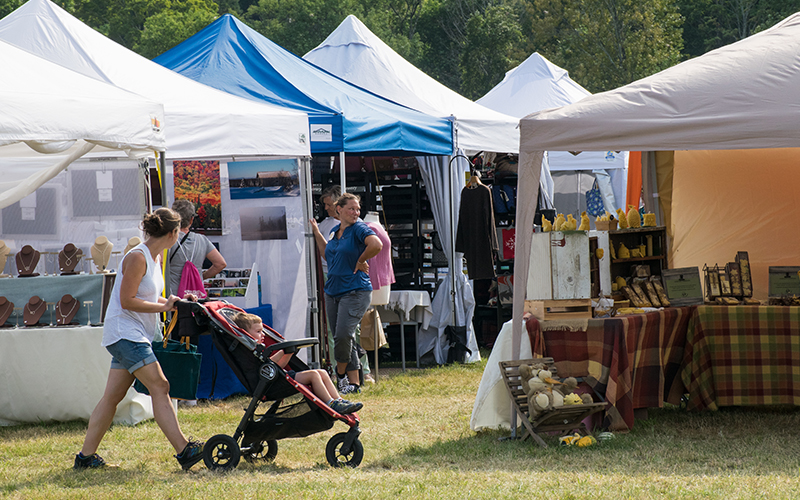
x=291, y=346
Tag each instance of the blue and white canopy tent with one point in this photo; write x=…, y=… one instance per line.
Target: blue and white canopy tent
x=231, y=56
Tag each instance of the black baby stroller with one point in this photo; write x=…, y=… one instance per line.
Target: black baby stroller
x=294, y=411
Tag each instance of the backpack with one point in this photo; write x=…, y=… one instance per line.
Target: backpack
x=191, y=279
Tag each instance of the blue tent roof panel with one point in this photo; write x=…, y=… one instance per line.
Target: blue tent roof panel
x=231, y=56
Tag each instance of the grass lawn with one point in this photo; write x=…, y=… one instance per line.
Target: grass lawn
x=417, y=444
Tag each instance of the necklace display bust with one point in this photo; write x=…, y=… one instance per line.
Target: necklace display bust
x=4, y=251
x=27, y=259
x=66, y=308
x=101, y=253
x=33, y=310
x=68, y=258
x=132, y=242
x=6, y=308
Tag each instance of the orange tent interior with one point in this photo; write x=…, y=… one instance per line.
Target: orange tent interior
x=723, y=202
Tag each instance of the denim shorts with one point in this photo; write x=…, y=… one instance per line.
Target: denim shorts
x=127, y=355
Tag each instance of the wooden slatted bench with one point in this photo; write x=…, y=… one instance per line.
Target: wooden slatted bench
x=564, y=419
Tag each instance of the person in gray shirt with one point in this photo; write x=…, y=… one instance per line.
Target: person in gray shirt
x=191, y=247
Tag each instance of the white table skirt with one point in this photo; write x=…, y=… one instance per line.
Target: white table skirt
x=492, y=408
x=58, y=374
x=415, y=305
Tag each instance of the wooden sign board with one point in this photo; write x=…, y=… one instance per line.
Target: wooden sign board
x=683, y=286
x=784, y=281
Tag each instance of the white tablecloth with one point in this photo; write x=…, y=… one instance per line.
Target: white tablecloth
x=414, y=304
x=58, y=374
x=492, y=408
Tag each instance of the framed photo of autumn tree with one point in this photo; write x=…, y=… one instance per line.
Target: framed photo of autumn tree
x=198, y=182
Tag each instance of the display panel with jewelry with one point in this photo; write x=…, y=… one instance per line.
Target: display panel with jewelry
x=27, y=259
x=4, y=251
x=101, y=253
x=33, y=310
x=68, y=258
x=66, y=308
x=6, y=308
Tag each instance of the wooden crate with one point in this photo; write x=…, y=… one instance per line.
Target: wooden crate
x=559, y=309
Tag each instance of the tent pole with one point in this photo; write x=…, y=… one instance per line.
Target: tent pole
x=342, y=173
x=310, y=245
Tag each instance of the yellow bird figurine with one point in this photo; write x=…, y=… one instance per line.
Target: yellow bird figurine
x=558, y=225
x=633, y=217
x=584, y=222
x=622, y=218
x=571, y=224
x=547, y=226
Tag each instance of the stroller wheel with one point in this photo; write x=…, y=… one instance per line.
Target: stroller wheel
x=263, y=450
x=333, y=452
x=221, y=452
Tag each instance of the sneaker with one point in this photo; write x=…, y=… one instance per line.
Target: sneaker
x=343, y=384
x=350, y=389
x=344, y=407
x=357, y=406
x=93, y=461
x=191, y=454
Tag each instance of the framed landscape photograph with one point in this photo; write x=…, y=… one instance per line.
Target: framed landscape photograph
x=198, y=182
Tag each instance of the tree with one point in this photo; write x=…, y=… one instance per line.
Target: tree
x=124, y=21
x=491, y=48
x=710, y=24
x=606, y=43
x=168, y=28
x=299, y=25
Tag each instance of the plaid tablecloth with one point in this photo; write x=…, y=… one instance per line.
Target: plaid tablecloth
x=742, y=356
x=634, y=361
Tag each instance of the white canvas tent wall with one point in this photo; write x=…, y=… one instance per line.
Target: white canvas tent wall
x=204, y=123
x=743, y=96
x=538, y=84
x=357, y=55
x=52, y=116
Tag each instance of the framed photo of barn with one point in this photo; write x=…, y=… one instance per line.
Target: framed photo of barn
x=263, y=179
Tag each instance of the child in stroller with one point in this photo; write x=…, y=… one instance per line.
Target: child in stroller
x=292, y=409
x=320, y=382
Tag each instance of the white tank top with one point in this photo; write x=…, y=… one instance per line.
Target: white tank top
x=134, y=326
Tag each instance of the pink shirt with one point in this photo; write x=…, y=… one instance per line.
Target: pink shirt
x=381, y=272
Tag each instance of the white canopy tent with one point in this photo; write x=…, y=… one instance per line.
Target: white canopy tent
x=742, y=96
x=538, y=84
x=52, y=116
x=204, y=123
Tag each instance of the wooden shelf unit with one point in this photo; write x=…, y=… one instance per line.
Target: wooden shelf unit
x=632, y=238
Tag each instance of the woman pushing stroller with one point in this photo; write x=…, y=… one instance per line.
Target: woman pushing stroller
x=319, y=380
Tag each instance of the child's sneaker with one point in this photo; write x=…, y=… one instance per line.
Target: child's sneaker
x=93, y=461
x=191, y=454
x=344, y=407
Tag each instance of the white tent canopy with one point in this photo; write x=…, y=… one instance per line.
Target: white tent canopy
x=203, y=122
x=52, y=116
x=353, y=53
x=536, y=85
x=742, y=96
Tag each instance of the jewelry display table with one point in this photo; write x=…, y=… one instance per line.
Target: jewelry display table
x=58, y=374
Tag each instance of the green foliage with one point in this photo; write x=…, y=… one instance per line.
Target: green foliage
x=125, y=21
x=492, y=47
x=710, y=24
x=168, y=28
x=299, y=25
x=606, y=43
x=8, y=6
